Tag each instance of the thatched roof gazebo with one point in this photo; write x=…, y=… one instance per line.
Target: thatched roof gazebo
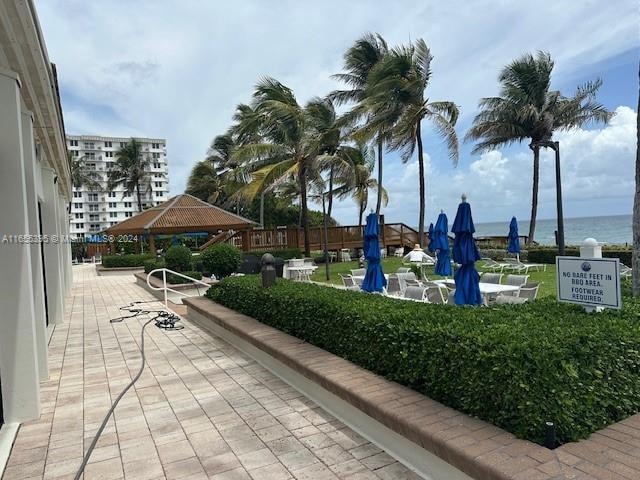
x=180, y=214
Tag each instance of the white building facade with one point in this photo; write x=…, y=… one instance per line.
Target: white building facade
x=35, y=189
x=94, y=210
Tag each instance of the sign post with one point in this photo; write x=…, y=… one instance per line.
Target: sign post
x=589, y=280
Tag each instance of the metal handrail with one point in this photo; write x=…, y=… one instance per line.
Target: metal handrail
x=164, y=283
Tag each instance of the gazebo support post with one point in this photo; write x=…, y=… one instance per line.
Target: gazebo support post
x=246, y=242
x=152, y=243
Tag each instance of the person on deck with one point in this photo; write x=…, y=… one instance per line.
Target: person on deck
x=417, y=255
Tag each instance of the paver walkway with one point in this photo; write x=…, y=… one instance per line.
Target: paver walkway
x=201, y=410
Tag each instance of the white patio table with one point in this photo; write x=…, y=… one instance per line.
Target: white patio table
x=485, y=288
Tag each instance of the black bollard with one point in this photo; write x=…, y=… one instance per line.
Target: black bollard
x=549, y=435
x=268, y=270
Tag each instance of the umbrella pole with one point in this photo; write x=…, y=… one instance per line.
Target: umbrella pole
x=326, y=239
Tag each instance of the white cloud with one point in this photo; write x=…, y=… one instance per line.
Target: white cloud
x=177, y=69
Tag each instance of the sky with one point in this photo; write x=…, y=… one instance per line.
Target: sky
x=176, y=69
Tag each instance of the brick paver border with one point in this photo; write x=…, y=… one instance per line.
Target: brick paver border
x=481, y=450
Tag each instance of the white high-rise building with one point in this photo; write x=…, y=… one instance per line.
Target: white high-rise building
x=93, y=211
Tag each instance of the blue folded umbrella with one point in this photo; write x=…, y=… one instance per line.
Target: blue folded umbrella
x=374, y=280
x=513, y=244
x=465, y=252
x=441, y=244
x=430, y=245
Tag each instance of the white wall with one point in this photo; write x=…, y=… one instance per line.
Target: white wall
x=18, y=349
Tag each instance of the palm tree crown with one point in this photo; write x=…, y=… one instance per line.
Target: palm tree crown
x=130, y=170
x=528, y=110
x=395, y=96
x=359, y=61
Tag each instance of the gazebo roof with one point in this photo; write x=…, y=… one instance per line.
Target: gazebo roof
x=181, y=214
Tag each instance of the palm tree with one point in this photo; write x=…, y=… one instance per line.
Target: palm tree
x=527, y=109
x=81, y=175
x=130, y=170
x=359, y=60
x=219, y=153
x=285, y=150
x=360, y=182
x=395, y=95
x=204, y=183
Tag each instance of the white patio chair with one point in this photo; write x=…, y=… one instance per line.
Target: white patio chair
x=403, y=270
x=495, y=278
x=349, y=283
x=436, y=294
x=358, y=272
x=399, y=252
x=417, y=293
x=394, y=287
x=413, y=282
x=516, y=280
x=383, y=253
x=530, y=290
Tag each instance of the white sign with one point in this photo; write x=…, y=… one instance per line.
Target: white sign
x=593, y=282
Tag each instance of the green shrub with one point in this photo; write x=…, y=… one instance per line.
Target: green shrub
x=153, y=264
x=133, y=260
x=178, y=258
x=513, y=366
x=285, y=253
x=197, y=263
x=221, y=259
x=548, y=255
x=176, y=279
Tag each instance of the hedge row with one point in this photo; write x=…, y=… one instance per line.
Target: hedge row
x=513, y=366
x=132, y=260
x=548, y=255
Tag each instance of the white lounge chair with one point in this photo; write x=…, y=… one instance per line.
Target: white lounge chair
x=516, y=265
x=625, y=271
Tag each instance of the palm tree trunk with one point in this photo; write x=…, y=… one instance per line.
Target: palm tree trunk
x=635, y=264
x=422, y=187
x=302, y=179
x=262, y=209
x=362, y=208
x=379, y=200
x=534, y=193
x=560, y=215
x=330, y=200
x=138, y=195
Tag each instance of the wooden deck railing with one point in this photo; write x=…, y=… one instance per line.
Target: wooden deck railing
x=346, y=236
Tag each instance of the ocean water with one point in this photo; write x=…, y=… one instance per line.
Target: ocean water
x=614, y=229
